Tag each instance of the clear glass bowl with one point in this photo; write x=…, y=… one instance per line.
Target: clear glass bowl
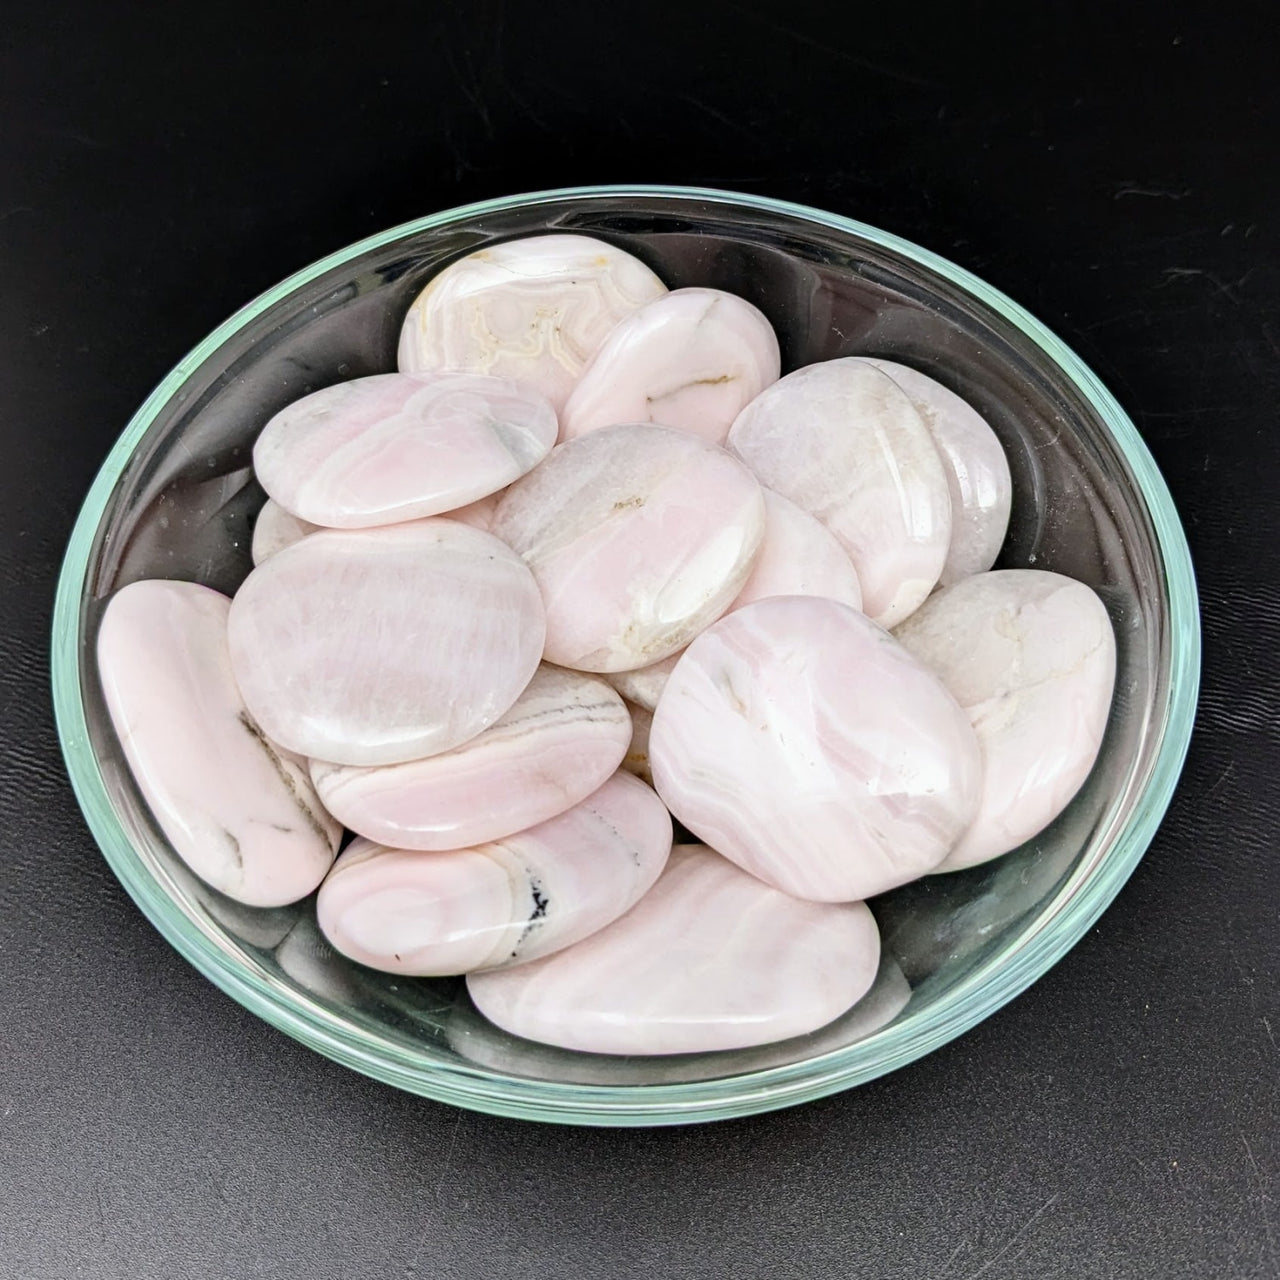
x=176, y=497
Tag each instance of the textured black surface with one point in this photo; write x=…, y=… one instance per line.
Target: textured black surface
x=1116, y=174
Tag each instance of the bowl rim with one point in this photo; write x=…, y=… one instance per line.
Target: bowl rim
x=1043, y=941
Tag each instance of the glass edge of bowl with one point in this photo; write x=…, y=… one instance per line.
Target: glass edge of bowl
x=1028, y=955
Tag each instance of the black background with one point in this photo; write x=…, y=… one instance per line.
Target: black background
x=1114, y=168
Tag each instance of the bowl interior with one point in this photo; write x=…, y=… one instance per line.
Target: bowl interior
x=177, y=499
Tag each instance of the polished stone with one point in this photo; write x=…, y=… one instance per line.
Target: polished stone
x=390, y=448
x=693, y=359
x=845, y=443
x=535, y=309
x=274, y=529
x=561, y=739
x=501, y=903
x=977, y=471
x=803, y=742
x=799, y=557
x=477, y=1040
x=710, y=958
x=638, y=537
x=1031, y=657
x=237, y=808
x=373, y=646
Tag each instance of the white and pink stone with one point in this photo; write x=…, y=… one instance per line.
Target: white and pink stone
x=693, y=359
x=535, y=310
x=500, y=903
x=845, y=443
x=977, y=470
x=1031, y=657
x=710, y=958
x=274, y=529
x=374, y=646
x=389, y=448
x=561, y=739
x=799, y=557
x=638, y=537
x=804, y=743
x=237, y=808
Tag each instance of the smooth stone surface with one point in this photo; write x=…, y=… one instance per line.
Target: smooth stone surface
x=274, y=529
x=1031, y=657
x=561, y=739
x=845, y=443
x=374, y=646
x=390, y=448
x=802, y=741
x=978, y=478
x=473, y=1037
x=710, y=958
x=501, y=903
x=693, y=359
x=636, y=760
x=237, y=809
x=535, y=309
x=799, y=557
x=638, y=537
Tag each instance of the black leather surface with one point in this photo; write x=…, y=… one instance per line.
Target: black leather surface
x=1117, y=174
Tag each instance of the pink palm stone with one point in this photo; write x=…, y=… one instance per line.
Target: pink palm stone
x=390, y=448
x=372, y=646
x=561, y=739
x=809, y=747
x=691, y=359
x=845, y=443
x=236, y=807
x=638, y=536
x=1031, y=657
x=500, y=903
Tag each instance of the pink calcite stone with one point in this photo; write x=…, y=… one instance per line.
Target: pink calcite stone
x=799, y=557
x=845, y=443
x=391, y=448
x=691, y=359
x=236, y=807
x=977, y=471
x=562, y=739
x=374, y=646
x=1031, y=657
x=275, y=529
x=535, y=310
x=807, y=745
x=710, y=958
x=638, y=536
x=501, y=903
x=475, y=1038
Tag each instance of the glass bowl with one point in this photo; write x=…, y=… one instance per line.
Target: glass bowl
x=176, y=498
